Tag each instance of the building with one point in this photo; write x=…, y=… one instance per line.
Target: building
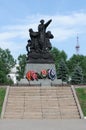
x=13, y=74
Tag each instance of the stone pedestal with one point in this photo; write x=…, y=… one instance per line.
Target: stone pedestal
x=41, y=82
x=38, y=67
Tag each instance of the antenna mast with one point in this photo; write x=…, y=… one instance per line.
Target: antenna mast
x=77, y=46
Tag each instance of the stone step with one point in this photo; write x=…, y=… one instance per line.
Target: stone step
x=41, y=103
x=40, y=92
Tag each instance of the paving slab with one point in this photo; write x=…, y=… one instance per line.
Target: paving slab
x=25, y=124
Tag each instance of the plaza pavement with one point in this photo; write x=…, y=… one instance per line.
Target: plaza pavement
x=23, y=124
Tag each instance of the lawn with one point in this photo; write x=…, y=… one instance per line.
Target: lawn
x=2, y=95
x=81, y=93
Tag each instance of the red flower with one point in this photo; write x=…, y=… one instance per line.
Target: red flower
x=31, y=75
x=28, y=75
x=34, y=75
x=44, y=73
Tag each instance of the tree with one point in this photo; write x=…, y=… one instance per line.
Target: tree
x=77, y=75
x=6, y=63
x=21, y=67
x=63, y=55
x=81, y=61
x=83, y=66
x=62, y=71
x=58, y=55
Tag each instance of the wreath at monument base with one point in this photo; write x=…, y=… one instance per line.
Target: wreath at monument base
x=32, y=75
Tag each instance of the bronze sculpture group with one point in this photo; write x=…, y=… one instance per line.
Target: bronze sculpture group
x=39, y=45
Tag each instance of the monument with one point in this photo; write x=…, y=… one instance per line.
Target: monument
x=39, y=45
x=40, y=67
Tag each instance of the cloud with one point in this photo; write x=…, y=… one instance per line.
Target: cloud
x=8, y=35
x=16, y=49
x=62, y=27
x=70, y=20
x=62, y=34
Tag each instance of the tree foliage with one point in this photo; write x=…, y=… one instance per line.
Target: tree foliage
x=81, y=61
x=58, y=55
x=77, y=75
x=6, y=63
x=21, y=67
x=72, y=62
x=62, y=72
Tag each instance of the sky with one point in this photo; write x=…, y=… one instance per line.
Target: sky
x=68, y=21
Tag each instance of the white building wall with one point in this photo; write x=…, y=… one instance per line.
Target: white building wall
x=13, y=77
x=13, y=74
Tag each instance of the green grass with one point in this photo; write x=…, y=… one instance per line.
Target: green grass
x=2, y=95
x=81, y=93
